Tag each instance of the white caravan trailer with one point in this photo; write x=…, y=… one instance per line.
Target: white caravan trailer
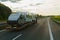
x=18, y=19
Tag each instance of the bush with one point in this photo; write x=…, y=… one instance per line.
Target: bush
x=56, y=18
x=4, y=12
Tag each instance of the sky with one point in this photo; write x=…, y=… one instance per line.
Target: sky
x=43, y=7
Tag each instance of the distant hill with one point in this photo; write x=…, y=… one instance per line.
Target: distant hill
x=4, y=12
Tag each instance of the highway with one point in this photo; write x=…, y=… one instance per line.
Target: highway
x=44, y=29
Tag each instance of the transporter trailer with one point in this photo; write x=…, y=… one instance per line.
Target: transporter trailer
x=20, y=20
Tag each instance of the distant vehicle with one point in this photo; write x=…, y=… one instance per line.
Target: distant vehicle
x=16, y=20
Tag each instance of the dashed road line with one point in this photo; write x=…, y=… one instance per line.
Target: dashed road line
x=2, y=30
x=50, y=32
x=17, y=37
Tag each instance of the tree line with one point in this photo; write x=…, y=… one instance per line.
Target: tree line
x=4, y=12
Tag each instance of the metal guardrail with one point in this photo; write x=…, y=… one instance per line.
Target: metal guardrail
x=2, y=24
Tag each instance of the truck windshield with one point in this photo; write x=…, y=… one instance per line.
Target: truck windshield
x=14, y=16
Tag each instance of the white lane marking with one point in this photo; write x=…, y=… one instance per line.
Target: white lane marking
x=2, y=30
x=50, y=32
x=17, y=37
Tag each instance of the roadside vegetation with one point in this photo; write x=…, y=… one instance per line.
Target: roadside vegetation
x=4, y=12
x=56, y=18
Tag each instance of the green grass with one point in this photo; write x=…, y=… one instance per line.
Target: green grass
x=56, y=18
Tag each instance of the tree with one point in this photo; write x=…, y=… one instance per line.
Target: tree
x=4, y=12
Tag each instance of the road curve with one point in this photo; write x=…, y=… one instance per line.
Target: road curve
x=55, y=30
x=38, y=31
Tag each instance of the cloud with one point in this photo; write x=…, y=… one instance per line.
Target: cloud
x=44, y=7
x=10, y=0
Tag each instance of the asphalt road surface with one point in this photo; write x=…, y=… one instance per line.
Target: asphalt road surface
x=44, y=29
